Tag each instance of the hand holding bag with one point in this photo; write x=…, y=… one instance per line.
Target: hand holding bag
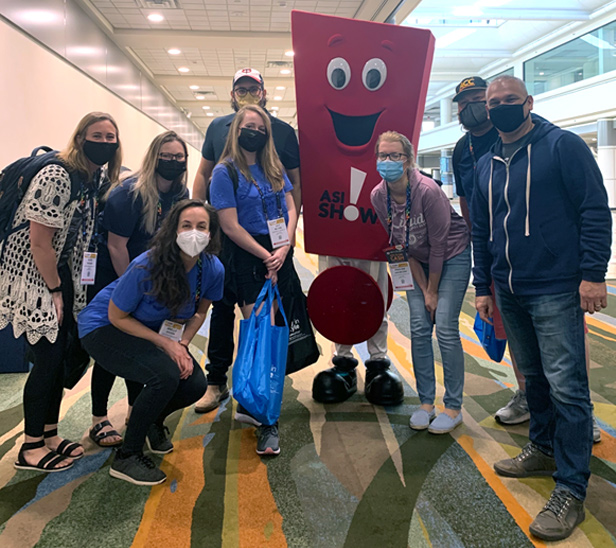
x=495, y=348
x=259, y=369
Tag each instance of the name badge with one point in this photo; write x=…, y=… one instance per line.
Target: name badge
x=399, y=268
x=279, y=235
x=172, y=330
x=88, y=268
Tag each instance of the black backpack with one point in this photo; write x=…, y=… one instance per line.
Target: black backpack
x=15, y=180
x=233, y=175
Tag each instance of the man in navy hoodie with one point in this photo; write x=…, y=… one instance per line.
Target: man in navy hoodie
x=542, y=233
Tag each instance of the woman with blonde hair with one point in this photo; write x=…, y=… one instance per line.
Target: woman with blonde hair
x=252, y=194
x=41, y=288
x=420, y=220
x=133, y=212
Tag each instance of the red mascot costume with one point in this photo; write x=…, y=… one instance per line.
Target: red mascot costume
x=354, y=80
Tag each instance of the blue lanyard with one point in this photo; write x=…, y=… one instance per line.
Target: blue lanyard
x=407, y=214
x=262, y=196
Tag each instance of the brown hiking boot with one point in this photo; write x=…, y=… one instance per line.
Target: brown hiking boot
x=212, y=398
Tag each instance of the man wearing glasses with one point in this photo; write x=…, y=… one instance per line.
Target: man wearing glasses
x=248, y=89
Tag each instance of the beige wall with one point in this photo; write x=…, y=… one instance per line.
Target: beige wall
x=42, y=98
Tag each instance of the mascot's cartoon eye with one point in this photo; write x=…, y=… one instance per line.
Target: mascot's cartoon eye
x=339, y=73
x=374, y=74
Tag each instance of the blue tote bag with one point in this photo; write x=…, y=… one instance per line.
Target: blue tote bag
x=259, y=369
x=494, y=347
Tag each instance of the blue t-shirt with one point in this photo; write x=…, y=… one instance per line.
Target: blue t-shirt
x=247, y=199
x=131, y=293
x=123, y=215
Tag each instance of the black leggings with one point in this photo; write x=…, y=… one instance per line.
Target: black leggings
x=142, y=362
x=44, y=388
x=102, y=380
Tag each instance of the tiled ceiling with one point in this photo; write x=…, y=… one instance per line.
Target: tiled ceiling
x=217, y=37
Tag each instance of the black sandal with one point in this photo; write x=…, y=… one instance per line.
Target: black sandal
x=97, y=436
x=66, y=447
x=46, y=464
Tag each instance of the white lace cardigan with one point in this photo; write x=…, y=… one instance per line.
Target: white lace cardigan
x=25, y=301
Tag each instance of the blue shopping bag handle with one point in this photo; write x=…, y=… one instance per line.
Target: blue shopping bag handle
x=267, y=294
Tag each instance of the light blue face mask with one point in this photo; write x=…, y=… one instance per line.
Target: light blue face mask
x=390, y=171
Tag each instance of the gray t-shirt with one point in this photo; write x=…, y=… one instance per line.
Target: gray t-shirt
x=509, y=149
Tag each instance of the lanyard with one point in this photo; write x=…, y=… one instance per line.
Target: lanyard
x=84, y=198
x=472, y=150
x=407, y=214
x=159, y=210
x=278, y=201
x=199, y=280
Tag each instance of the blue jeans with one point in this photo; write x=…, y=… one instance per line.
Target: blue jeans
x=546, y=335
x=451, y=290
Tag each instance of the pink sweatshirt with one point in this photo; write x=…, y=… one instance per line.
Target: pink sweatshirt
x=437, y=233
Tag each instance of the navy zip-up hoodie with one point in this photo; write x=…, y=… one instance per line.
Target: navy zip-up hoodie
x=541, y=224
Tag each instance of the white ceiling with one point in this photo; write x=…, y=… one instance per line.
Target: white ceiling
x=218, y=37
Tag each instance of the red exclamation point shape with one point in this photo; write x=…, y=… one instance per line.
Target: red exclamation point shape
x=351, y=213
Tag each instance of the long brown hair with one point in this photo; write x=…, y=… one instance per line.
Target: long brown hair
x=169, y=282
x=267, y=156
x=73, y=155
x=147, y=186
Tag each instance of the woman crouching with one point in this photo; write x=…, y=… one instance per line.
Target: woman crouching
x=139, y=328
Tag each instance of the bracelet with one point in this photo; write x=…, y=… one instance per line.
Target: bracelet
x=55, y=289
x=185, y=345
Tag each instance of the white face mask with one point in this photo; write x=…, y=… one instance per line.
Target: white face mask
x=193, y=242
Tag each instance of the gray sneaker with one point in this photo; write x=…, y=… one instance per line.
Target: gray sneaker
x=515, y=412
x=268, y=442
x=157, y=440
x=596, y=431
x=137, y=469
x=242, y=415
x=559, y=517
x=530, y=462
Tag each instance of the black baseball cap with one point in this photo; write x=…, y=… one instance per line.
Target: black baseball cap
x=470, y=84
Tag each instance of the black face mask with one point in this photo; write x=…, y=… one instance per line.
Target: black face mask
x=251, y=139
x=473, y=115
x=170, y=170
x=508, y=118
x=99, y=153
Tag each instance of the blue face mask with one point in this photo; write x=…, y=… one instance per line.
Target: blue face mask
x=390, y=171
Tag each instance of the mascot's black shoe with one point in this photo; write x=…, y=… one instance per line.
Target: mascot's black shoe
x=383, y=387
x=337, y=384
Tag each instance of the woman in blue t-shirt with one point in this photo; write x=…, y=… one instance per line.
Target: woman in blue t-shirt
x=133, y=212
x=139, y=328
x=252, y=194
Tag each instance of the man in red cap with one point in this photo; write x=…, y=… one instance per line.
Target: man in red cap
x=248, y=89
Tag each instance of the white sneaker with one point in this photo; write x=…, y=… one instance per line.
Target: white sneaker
x=596, y=431
x=515, y=412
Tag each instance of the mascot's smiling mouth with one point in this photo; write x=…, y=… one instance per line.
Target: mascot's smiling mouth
x=354, y=131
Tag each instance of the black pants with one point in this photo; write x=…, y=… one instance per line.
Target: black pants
x=222, y=323
x=142, y=362
x=221, y=345
x=102, y=380
x=44, y=388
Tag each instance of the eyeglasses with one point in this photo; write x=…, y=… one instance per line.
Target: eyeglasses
x=255, y=91
x=394, y=156
x=166, y=156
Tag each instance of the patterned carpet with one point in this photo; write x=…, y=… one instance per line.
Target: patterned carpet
x=349, y=475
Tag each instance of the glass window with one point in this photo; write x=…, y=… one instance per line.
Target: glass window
x=582, y=58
